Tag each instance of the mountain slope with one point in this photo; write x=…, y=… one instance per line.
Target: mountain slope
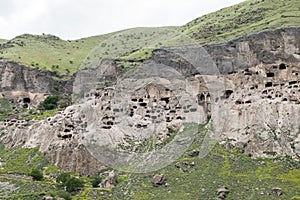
x=2, y=41
x=244, y=18
x=66, y=57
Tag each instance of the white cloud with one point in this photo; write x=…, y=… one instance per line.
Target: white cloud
x=71, y=19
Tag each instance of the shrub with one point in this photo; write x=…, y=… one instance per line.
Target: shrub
x=65, y=195
x=63, y=177
x=95, y=180
x=70, y=183
x=36, y=175
x=50, y=103
x=73, y=184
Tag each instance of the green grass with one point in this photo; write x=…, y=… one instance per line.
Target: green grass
x=135, y=44
x=2, y=41
x=43, y=115
x=246, y=178
x=5, y=108
x=21, y=160
x=17, y=164
x=245, y=18
x=48, y=52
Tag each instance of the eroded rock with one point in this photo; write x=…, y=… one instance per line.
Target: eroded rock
x=258, y=103
x=158, y=180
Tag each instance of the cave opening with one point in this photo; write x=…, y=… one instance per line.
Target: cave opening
x=269, y=84
x=270, y=74
x=26, y=100
x=282, y=66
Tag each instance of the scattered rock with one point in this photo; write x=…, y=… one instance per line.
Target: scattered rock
x=48, y=198
x=158, y=180
x=222, y=193
x=184, y=165
x=110, y=181
x=277, y=191
x=6, y=186
x=194, y=153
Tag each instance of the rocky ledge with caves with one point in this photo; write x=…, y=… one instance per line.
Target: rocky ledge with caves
x=247, y=89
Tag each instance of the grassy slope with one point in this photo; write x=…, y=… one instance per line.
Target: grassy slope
x=246, y=178
x=49, y=52
x=2, y=41
x=66, y=57
x=245, y=18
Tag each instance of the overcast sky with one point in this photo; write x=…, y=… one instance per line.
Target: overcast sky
x=73, y=19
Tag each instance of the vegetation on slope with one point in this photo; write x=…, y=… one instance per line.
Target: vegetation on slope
x=245, y=18
x=187, y=178
x=49, y=52
x=2, y=41
x=66, y=57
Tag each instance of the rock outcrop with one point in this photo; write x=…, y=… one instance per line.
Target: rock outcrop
x=28, y=85
x=249, y=87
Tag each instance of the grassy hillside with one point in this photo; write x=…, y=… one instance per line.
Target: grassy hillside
x=245, y=18
x=66, y=57
x=2, y=41
x=49, y=52
x=188, y=178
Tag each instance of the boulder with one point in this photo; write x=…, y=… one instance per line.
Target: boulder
x=222, y=193
x=158, y=180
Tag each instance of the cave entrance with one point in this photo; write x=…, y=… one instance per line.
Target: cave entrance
x=26, y=100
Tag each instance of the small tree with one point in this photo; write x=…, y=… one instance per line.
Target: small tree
x=64, y=194
x=95, y=180
x=70, y=183
x=36, y=174
x=49, y=103
x=63, y=177
x=73, y=184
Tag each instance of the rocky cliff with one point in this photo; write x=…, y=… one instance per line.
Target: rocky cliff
x=248, y=86
x=28, y=85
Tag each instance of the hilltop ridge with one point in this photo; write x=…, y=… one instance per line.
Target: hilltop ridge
x=66, y=57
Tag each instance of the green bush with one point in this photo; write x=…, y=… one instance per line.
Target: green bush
x=50, y=103
x=36, y=175
x=65, y=195
x=74, y=184
x=63, y=177
x=95, y=180
x=70, y=183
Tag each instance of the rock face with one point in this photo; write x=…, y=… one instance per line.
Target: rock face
x=263, y=110
x=28, y=85
x=249, y=87
x=260, y=75
x=269, y=47
x=111, y=180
